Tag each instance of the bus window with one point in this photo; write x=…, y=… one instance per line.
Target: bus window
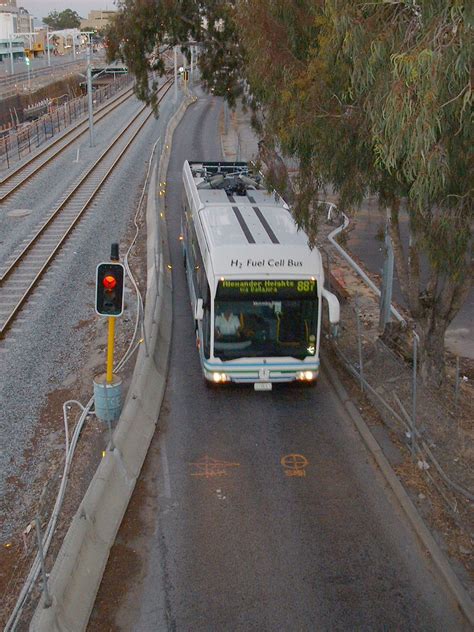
x=265, y=328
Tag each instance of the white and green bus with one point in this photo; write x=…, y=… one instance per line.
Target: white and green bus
x=256, y=287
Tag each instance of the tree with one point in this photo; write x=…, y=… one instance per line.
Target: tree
x=143, y=31
x=67, y=19
x=367, y=98
x=377, y=101
x=409, y=66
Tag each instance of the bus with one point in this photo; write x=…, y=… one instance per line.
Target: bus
x=256, y=287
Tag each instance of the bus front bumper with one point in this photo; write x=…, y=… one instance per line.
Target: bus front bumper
x=274, y=377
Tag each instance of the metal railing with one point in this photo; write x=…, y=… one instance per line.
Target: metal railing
x=386, y=368
x=18, y=142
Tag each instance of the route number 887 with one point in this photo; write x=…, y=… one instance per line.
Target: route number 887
x=305, y=286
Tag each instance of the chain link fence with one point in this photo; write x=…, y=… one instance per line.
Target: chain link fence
x=436, y=425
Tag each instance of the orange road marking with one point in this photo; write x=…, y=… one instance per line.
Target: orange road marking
x=211, y=468
x=294, y=464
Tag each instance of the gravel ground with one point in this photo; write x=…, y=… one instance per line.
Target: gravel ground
x=58, y=343
x=50, y=185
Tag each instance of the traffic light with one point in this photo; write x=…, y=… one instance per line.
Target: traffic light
x=109, y=289
x=186, y=75
x=27, y=60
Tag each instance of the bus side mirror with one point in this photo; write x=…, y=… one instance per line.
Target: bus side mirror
x=199, y=310
x=334, y=310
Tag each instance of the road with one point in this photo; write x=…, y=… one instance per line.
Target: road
x=258, y=511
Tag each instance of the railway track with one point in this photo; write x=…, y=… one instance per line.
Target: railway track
x=21, y=276
x=13, y=180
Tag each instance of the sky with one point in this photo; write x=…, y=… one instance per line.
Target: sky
x=41, y=8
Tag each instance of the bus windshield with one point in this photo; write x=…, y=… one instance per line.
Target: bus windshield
x=258, y=328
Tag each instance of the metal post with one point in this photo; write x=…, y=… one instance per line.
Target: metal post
x=328, y=270
x=413, y=414
x=359, y=344
x=47, y=46
x=11, y=55
x=73, y=47
x=110, y=350
x=387, y=283
x=47, y=596
x=6, y=150
x=89, y=96
x=175, y=75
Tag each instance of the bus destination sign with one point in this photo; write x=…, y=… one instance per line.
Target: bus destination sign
x=267, y=288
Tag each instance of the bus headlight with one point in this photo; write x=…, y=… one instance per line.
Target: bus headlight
x=306, y=376
x=219, y=378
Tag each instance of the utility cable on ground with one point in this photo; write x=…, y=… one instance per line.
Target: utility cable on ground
x=70, y=444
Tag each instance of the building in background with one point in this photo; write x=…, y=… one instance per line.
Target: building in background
x=24, y=21
x=8, y=6
x=97, y=20
x=10, y=44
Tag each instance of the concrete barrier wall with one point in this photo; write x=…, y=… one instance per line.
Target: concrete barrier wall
x=77, y=572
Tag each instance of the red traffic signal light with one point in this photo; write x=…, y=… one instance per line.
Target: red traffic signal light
x=109, y=282
x=109, y=289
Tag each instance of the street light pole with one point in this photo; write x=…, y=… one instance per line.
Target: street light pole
x=11, y=55
x=47, y=46
x=89, y=94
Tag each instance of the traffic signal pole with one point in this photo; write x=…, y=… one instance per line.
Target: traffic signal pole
x=109, y=302
x=110, y=350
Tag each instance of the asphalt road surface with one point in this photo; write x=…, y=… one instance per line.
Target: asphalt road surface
x=259, y=511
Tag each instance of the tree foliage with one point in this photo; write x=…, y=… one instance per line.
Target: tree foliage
x=67, y=19
x=144, y=31
x=410, y=65
x=367, y=98
x=375, y=98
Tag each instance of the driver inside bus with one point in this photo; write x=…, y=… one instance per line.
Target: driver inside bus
x=227, y=324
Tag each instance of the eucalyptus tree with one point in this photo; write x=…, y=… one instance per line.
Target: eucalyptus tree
x=144, y=30
x=409, y=65
x=375, y=98
x=365, y=97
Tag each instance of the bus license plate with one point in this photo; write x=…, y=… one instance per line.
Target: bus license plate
x=263, y=386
